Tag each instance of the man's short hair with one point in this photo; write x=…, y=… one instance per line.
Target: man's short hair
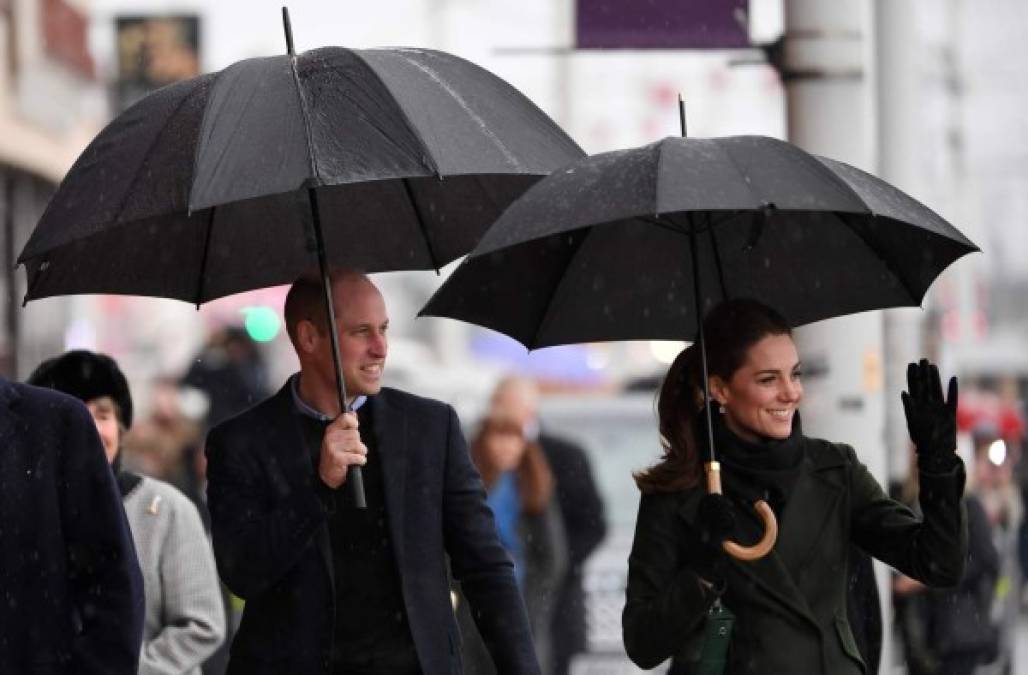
x=305, y=302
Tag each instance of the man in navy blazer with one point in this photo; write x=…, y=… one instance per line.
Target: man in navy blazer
x=330, y=588
x=71, y=594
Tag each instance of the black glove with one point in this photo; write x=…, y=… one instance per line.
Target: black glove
x=932, y=421
x=715, y=521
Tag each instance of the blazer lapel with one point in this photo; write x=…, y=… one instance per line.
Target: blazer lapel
x=391, y=442
x=290, y=453
x=810, y=510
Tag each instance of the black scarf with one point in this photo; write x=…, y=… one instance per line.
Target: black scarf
x=766, y=469
x=127, y=481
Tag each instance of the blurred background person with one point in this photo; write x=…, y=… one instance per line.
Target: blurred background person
x=994, y=480
x=520, y=489
x=950, y=631
x=231, y=371
x=581, y=508
x=165, y=442
x=184, y=621
x=71, y=588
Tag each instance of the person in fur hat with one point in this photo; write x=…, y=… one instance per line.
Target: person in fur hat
x=185, y=620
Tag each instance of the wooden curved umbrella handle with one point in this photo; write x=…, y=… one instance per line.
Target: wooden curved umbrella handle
x=767, y=542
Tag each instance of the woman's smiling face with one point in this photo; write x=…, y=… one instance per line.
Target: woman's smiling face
x=761, y=397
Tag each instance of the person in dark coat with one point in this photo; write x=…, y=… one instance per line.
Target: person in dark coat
x=585, y=525
x=71, y=592
x=330, y=588
x=790, y=606
x=581, y=509
x=950, y=631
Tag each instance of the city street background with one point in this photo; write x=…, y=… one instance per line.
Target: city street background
x=929, y=95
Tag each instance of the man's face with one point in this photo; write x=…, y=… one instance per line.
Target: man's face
x=106, y=418
x=362, y=323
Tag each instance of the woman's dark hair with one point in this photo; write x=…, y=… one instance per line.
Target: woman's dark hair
x=730, y=329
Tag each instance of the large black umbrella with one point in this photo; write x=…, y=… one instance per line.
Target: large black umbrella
x=636, y=244
x=377, y=159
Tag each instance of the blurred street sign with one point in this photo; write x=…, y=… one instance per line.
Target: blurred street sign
x=154, y=51
x=662, y=24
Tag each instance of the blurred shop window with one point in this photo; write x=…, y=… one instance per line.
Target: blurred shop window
x=154, y=51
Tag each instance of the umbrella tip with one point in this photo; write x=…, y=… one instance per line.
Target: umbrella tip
x=288, y=28
x=681, y=114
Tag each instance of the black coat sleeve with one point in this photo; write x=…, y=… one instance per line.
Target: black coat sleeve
x=260, y=526
x=932, y=549
x=103, y=571
x=665, y=599
x=481, y=564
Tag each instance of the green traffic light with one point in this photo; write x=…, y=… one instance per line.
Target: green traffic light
x=262, y=323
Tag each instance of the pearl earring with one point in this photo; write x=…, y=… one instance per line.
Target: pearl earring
x=721, y=409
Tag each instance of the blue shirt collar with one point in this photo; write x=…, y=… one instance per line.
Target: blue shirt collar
x=305, y=409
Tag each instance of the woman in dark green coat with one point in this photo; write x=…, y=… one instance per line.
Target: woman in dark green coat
x=790, y=606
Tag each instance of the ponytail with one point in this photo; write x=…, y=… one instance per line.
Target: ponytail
x=678, y=407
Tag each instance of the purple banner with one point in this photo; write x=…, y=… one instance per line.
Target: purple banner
x=662, y=24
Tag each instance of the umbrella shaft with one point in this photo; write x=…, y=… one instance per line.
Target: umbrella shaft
x=698, y=304
x=326, y=284
x=354, y=475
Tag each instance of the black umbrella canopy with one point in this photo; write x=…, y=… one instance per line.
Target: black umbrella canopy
x=602, y=249
x=198, y=191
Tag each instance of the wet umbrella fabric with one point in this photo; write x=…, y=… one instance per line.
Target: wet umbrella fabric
x=602, y=249
x=202, y=189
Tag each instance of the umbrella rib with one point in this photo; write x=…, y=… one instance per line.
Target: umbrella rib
x=656, y=180
x=136, y=174
x=670, y=227
x=305, y=113
x=835, y=178
x=717, y=256
x=456, y=96
x=882, y=255
x=563, y=274
x=421, y=223
x=386, y=137
x=426, y=157
x=738, y=170
x=203, y=259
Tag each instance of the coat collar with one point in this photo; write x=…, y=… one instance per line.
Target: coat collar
x=815, y=499
x=9, y=398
